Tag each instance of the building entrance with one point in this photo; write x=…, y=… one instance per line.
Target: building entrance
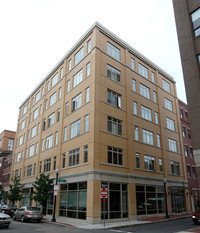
x=177, y=200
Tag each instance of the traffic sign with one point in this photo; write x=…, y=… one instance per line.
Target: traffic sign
x=56, y=187
x=104, y=192
x=62, y=181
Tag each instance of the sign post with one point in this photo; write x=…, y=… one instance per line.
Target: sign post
x=104, y=195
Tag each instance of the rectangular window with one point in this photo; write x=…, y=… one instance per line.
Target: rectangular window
x=113, y=73
x=183, y=130
x=188, y=171
x=37, y=97
x=49, y=142
x=132, y=64
x=23, y=125
x=154, y=97
x=166, y=86
x=35, y=113
x=149, y=162
x=188, y=132
x=47, y=165
x=74, y=157
x=31, y=150
x=172, y=145
x=147, y=137
x=88, y=69
x=61, y=73
x=133, y=85
x=40, y=168
x=10, y=144
x=20, y=140
x=146, y=113
x=63, y=160
x=136, y=133
x=68, y=85
x=113, y=98
x=58, y=114
x=51, y=119
x=54, y=163
x=66, y=108
x=181, y=113
x=194, y=172
x=69, y=65
x=24, y=171
x=113, y=51
x=137, y=160
x=86, y=123
x=170, y=124
x=156, y=118
x=59, y=93
x=158, y=140
x=75, y=129
x=34, y=169
x=144, y=91
x=42, y=147
x=40, y=109
x=134, y=108
x=65, y=134
x=78, y=56
x=85, y=153
x=186, y=150
x=36, y=148
x=18, y=157
x=87, y=95
x=143, y=71
x=88, y=46
x=25, y=109
x=115, y=155
x=160, y=165
x=56, y=138
x=153, y=77
x=78, y=78
x=76, y=102
x=33, y=131
x=168, y=104
x=42, y=91
x=114, y=125
x=52, y=99
x=29, y=170
x=186, y=115
x=191, y=152
x=195, y=16
x=54, y=80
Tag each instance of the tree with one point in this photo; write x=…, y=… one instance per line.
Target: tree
x=15, y=191
x=43, y=185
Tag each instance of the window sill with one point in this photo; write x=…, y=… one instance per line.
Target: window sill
x=114, y=165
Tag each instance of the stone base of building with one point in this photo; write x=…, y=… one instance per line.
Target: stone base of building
x=91, y=220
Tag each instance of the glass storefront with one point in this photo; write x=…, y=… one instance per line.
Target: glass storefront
x=150, y=199
x=26, y=198
x=50, y=203
x=116, y=205
x=73, y=200
x=177, y=200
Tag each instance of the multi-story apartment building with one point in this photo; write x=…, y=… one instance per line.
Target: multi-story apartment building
x=7, y=138
x=187, y=15
x=193, y=184
x=107, y=116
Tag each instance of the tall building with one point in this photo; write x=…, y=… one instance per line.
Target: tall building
x=187, y=15
x=105, y=116
x=193, y=184
x=7, y=138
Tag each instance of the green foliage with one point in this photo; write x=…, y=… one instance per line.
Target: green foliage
x=15, y=190
x=42, y=186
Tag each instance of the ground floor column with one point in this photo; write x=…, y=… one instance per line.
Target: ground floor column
x=132, y=202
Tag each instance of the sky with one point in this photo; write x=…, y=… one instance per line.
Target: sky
x=36, y=34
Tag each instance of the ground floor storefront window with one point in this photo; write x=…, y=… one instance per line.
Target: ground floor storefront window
x=26, y=197
x=73, y=200
x=50, y=203
x=116, y=205
x=177, y=200
x=150, y=199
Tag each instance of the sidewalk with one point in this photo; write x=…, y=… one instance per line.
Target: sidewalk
x=82, y=224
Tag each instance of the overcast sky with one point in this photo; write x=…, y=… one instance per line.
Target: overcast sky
x=35, y=35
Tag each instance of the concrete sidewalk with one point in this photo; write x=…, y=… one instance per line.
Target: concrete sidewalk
x=82, y=224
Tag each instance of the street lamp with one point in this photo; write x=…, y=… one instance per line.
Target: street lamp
x=166, y=209
x=54, y=204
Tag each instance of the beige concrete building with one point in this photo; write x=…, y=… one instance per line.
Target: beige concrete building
x=105, y=116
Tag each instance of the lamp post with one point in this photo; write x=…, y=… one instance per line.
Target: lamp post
x=55, y=195
x=166, y=209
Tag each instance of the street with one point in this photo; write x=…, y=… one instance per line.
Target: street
x=173, y=226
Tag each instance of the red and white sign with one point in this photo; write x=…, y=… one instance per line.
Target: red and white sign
x=104, y=192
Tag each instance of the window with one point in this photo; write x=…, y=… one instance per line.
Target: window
x=154, y=97
x=40, y=168
x=56, y=138
x=191, y=152
x=87, y=95
x=66, y=108
x=194, y=172
x=46, y=104
x=175, y=168
x=10, y=144
x=89, y=46
x=188, y=132
x=33, y=131
x=147, y=137
x=156, y=118
x=133, y=85
x=78, y=56
x=23, y=124
x=35, y=113
x=49, y=142
x=113, y=98
x=76, y=102
x=172, y=145
x=78, y=78
x=59, y=93
x=113, y=51
x=88, y=69
x=47, y=165
x=54, y=163
x=42, y=147
x=188, y=171
x=143, y=71
x=25, y=109
x=149, y=162
x=183, y=129
x=134, y=108
x=65, y=134
x=31, y=150
x=170, y=124
x=18, y=157
x=24, y=171
x=136, y=133
x=61, y=73
x=58, y=114
x=44, y=124
x=74, y=157
x=166, y=86
x=52, y=99
x=114, y=125
x=195, y=16
x=168, y=104
x=69, y=65
x=160, y=165
x=86, y=123
x=85, y=153
x=146, y=113
x=137, y=160
x=144, y=91
x=113, y=73
x=51, y=119
x=36, y=148
x=54, y=80
x=42, y=91
x=37, y=97
x=115, y=155
x=186, y=150
x=186, y=115
x=29, y=170
x=132, y=64
x=63, y=160
x=75, y=129
x=34, y=169
x=68, y=85
x=158, y=140
x=181, y=113
x=153, y=77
